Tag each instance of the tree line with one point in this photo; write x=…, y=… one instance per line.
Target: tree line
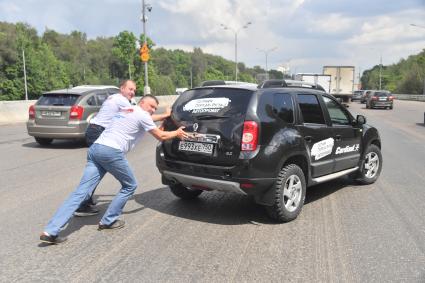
x=54, y=61
x=405, y=77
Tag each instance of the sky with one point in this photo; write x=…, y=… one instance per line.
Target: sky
x=304, y=35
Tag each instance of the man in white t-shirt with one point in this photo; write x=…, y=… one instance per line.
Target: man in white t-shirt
x=108, y=154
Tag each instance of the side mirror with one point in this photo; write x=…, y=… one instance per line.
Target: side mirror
x=345, y=105
x=361, y=120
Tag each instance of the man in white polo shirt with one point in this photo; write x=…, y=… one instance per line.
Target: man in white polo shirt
x=108, y=154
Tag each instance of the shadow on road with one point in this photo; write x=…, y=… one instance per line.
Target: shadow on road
x=226, y=209
x=57, y=144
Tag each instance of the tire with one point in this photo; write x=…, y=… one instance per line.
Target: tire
x=391, y=107
x=184, y=193
x=371, y=166
x=289, y=194
x=43, y=141
x=367, y=106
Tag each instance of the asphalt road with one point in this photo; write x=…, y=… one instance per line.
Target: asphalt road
x=345, y=233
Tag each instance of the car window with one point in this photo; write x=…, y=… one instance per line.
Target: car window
x=310, y=109
x=382, y=94
x=101, y=97
x=211, y=102
x=91, y=100
x=283, y=107
x=338, y=116
x=58, y=99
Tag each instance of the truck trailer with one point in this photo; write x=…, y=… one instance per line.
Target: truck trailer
x=342, y=81
x=317, y=79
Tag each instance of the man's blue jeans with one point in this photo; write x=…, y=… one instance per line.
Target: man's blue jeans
x=100, y=159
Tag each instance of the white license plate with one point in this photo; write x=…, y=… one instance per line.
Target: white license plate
x=206, y=148
x=51, y=113
x=382, y=99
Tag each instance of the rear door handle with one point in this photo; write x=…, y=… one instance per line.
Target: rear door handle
x=338, y=138
x=307, y=138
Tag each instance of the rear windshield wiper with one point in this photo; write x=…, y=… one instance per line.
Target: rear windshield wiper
x=210, y=117
x=58, y=104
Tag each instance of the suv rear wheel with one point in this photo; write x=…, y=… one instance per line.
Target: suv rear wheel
x=290, y=189
x=43, y=141
x=371, y=166
x=184, y=193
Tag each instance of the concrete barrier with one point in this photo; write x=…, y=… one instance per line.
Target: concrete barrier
x=17, y=111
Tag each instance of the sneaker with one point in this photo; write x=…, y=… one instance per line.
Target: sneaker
x=52, y=240
x=87, y=210
x=117, y=224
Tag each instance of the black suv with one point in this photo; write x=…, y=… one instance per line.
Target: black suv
x=270, y=143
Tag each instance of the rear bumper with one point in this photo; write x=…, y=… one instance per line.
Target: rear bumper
x=237, y=179
x=71, y=131
x=381, y=104
x=211, y=184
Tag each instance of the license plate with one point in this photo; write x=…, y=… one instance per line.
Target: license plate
x=382, y=99
x=51, y=113
x=206, y=148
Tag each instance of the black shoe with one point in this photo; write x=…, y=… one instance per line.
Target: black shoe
x=53, y=240
x=86, y=210
x=117, y=224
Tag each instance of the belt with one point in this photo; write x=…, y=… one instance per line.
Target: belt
x=96, y=126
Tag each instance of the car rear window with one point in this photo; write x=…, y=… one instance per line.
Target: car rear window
x=382, y=94
x=216, y=102
x=58, y=99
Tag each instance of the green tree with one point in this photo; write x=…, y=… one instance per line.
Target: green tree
x=125, y=48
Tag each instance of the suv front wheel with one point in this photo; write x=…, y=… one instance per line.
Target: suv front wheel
x=290, y=189
x=371, y=166
x=184, y=193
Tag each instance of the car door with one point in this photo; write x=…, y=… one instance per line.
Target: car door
x=317, y=135
x=347, y=137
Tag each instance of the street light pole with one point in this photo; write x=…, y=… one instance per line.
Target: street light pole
x=146, y=89
x=266, y=52
x=25, y=75
x=236, y=43
x=380, y=72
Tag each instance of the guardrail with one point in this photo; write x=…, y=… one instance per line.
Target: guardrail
x=414, y=97
x=17, y=111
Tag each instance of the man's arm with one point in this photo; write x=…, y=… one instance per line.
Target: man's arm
x=166, y=135
x=160, y=117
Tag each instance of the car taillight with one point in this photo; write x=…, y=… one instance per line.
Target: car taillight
x=374, y=98
x=76, y=112
x=31, y=112
x=249, y=136
x=391, y=97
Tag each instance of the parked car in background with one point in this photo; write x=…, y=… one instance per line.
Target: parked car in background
x=357, y=95
x=365, y=95
x=380, y=99
x=65, y=113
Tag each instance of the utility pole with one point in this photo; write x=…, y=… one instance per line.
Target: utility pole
x=236, y=44
x=380, y=72
x=25, y=75
x=266, y=52
x=146, y=89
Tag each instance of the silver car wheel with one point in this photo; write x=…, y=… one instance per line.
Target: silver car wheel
x=371, y=164
x=292, y=192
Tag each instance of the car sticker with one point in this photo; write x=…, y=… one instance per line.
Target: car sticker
x=348, y=148
x=205, y=105
x=322, y=148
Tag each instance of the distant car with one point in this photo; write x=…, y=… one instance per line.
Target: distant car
x=378, y=99
x=65, y=113
x=357, y=95
x=289, y=83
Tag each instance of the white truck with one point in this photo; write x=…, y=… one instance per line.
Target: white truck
x=342, y=81
x=317, y=79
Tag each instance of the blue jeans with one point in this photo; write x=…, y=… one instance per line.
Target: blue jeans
x=100, y=159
